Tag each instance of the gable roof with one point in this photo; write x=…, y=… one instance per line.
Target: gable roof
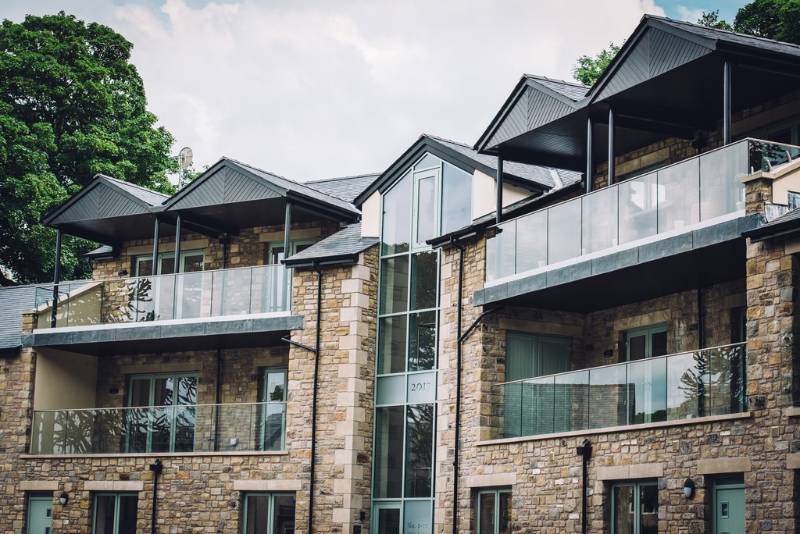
x=342, y=247
x=229, y=181
x=533, y=177
x=346, y=188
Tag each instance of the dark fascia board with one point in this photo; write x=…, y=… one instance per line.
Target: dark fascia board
x=326, y=210
x=522, y=85
x=211, y=171
x=771, y=231
x=648, y=21
x=329, y=261
x=442, y=151
x=98, y=178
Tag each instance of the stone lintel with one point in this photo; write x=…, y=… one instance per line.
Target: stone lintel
x=493, y=480
x=793, y=460
x=792, y=411
x=38, y=485
x=267, y=485
x=113, y=485
x=716, y=466
x=631, y=471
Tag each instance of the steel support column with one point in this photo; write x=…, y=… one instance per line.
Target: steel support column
x=726, y=102
x=156, y=228
x=56, y=279
x=611, y=167
x=287, y=225
x=177, y=267
x=589, y=164
x=499, y=188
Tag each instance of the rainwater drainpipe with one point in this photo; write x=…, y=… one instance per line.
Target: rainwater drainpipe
x=225, y=253
x=585, y=452
x=156, y=468
x=461, y=338
x=316, y=352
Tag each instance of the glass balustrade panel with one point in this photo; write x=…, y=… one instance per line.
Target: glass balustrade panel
x=678, y=196
x=564, y=231
x=721, y=186
x=638, y=200
x=599, y=220
x=531, y=238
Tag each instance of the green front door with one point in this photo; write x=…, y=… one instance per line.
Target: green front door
x=40, y=515
x=729, y=509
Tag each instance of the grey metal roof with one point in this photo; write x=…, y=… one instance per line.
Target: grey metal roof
x=789, y=222
x=154, y=198
x=13, y=301
x=345, y=244
x=573, y=91
x=548, y=177
x=346, y=188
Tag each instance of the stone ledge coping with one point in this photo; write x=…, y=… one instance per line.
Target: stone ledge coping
x=618, y=429
x=153, y=455
x=492, y=480
x=267, y=485
x=630, y=471
x=113, y=485
x=792, y=411
x=719, y=466
x=38, y=485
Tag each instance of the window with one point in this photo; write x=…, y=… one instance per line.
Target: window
x=161, y=414
x=273, y=411
x=275, y=250
x=268, y=513
x=645, y=342
x=456, y=198
x=114, y=513
x=494, y=511
x=191, y=262
x=794, y=200
x=634, y=508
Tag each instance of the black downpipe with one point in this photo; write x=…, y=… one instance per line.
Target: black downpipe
x=459, y=312
x=156, y=468
x=225, y=253
x=314, y=402
x=585, y=452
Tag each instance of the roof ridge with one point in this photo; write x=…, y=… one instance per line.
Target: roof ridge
x=446, y=140
x=720, y=30
x=137, y=186
x=354, y=176
x=555, y=80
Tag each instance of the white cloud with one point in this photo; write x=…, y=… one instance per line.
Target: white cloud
x=318, y=88
x=689, y=14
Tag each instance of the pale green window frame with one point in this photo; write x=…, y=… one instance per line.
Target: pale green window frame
x=117, y=497
x=166, y=255
x=271, y=509
x=648, y=332
x=152, y=377
x=636, y=486
x=497, y=492
x=263, y=397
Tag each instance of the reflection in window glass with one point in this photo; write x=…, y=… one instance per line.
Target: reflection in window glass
x=624, y=509
x=648, y=509
x=394, y=284
x=268, y=514
x=494, y=511
x=392, y=345
x=423, y=280
x=504, y=515
x=114, y=513
x=426, y=208
x=388, y=477
x=486, y=503
x=397, y=217
x=678, y=196
x=456, y=199
x=427, y=162
x=422, y=341
x=419, y=450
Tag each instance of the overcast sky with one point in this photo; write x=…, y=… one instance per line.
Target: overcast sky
x=323, y=88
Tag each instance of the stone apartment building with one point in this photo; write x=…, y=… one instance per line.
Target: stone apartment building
x=583, y=323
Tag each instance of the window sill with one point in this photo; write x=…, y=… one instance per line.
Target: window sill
x=617, y=429
x=153, y=455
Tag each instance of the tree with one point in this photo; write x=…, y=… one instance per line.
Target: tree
x=71, y=105
x=711, y=19
x=589, y=68
x=773, y=19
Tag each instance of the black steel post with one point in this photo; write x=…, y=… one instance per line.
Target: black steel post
x=177, y=268
x=156, y=468
x=457, y=429
x=499, y=188
x=156, y=227
x=726, y=102
x=589, y=163
x=585, y=452
x=314, y=402
x=56, y=279
x=611, y=167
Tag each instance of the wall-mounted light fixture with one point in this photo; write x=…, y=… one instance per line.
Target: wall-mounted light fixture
x=688, y=488
x=63, y=498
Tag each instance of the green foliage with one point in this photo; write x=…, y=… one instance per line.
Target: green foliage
x=589, y=68
x=711, y=19
x=71, y=106
x=773, y=19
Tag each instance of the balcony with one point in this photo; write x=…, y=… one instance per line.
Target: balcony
x=200, y=428
x=575, y=238
x=676, y=387
x=185, y=306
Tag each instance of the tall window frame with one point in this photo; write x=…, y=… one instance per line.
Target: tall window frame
x=143, y=259
x=500, y=521
x=270, y=518
x=117, y=498
x=270, y=400
x=635, y=506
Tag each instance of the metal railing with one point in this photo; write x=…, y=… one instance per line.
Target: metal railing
x=678, y=386
x=161, y=429
x=240, y=291
x=671, y=198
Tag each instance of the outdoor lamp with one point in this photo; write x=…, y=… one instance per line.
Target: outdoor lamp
x=63, y=498
x=688, y=488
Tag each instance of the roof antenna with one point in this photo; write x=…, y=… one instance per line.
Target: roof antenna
x=185, y=159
